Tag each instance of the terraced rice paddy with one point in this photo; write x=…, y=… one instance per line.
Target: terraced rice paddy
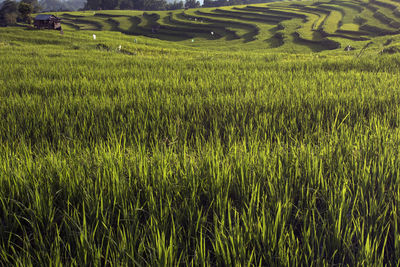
x=318, y=25
x=162, y=144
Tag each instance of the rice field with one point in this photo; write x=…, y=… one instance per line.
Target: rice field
x=135, y=149
x=318, y=26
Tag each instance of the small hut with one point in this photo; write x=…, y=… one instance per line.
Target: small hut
x=46, y=21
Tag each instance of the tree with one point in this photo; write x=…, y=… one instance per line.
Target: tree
x=126, y=4
x=209, y=3
x=216, y=3
x=34, y=4
x=109, y=4
x=9, y=12
x=150, y=4
x=192, y=4
x=25, y=10
x=174, y=5
x=93, y=4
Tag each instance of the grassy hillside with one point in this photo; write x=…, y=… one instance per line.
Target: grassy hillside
x=133, y=149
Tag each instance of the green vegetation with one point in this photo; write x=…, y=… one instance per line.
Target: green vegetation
x=332, y=21
x=162, y=144
x=282, y=26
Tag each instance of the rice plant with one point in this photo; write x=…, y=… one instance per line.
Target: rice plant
x=151, y=152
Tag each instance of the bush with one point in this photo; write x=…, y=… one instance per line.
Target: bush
x=10, y=18
x=394, y=49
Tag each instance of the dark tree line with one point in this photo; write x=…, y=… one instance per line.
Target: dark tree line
x=133, y=4
x=61, y=5
x=162, y=4
x=217, y=3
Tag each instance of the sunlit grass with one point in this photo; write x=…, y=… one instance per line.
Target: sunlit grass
x=163, y=153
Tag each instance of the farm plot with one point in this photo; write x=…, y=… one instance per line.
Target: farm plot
x=326, y=25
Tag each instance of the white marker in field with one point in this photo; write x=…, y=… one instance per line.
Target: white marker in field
x=94, y=36
x=192, y=40
x=195, y=19
x=119, y=47
x=135, y=41
x=212, y=33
